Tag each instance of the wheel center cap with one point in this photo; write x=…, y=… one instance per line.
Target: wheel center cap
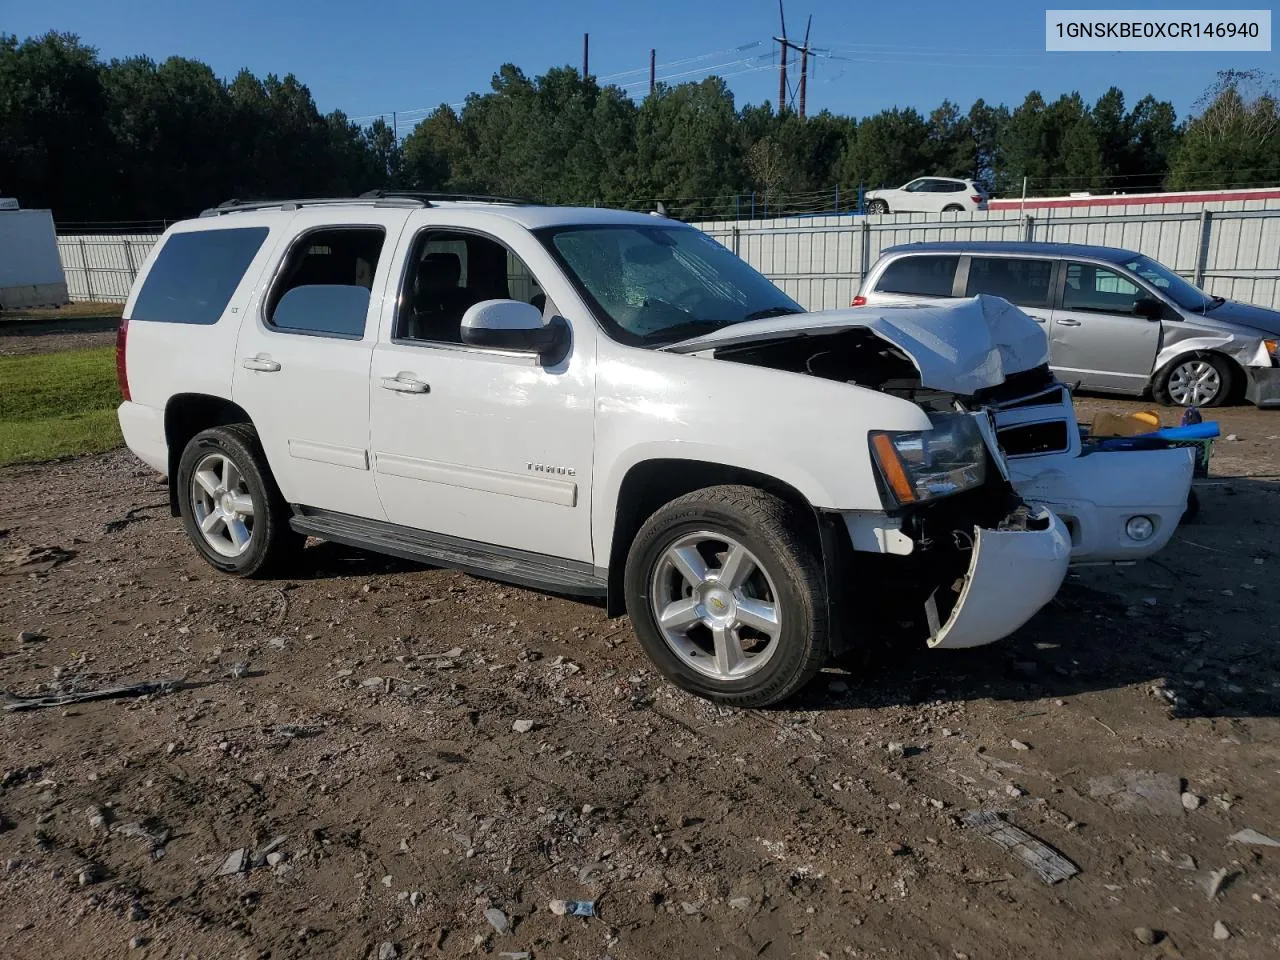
x=227, y=503
x=718, y=603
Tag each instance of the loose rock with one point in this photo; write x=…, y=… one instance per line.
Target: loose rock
x=1145, y=935
x=1018, y=745
x=1221, y=931
x=388, y=950
x=522, y=726
x=897, y=750
x=1191, y=802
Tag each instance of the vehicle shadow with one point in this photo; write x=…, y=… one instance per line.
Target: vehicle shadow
x=1197, y=627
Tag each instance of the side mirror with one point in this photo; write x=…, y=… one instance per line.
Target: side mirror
x=1148, y=307
x=512, y=325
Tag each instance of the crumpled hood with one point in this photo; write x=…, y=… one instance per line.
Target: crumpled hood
x=1246, y=315
x=958, y=345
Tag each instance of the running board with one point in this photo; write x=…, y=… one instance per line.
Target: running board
x=534, y=570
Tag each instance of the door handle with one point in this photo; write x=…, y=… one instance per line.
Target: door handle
x=1035, y=318
x=1067, y=323
x=405, y=384
x=261, y=364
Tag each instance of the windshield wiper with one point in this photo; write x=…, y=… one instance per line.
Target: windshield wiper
x=684, y=331
x=771, y=312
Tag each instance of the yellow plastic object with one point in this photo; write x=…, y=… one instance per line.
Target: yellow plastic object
x=1125, y=424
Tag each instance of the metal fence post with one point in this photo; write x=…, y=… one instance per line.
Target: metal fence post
x=735, y=240
x=128, y=256
x=1028, y=228
x=1202, y=248
x=866, y=250
x=84, y=259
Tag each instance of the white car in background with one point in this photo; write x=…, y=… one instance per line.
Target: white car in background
x=928, y=195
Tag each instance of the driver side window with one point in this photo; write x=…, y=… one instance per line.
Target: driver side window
x=451, y=271
x=917, y=186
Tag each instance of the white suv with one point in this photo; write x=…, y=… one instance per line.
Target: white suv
x=594, y=403
x=928, y=195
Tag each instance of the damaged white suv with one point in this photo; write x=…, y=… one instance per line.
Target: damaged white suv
x=594, y=403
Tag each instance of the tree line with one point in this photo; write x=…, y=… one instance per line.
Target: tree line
x=132, y=139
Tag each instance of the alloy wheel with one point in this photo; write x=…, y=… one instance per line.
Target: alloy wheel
x=223, y=507
x=715, y=606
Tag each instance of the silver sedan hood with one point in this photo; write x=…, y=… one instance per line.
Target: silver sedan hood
x=958, y=345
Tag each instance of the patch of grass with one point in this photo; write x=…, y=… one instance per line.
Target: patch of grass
x=58, y=405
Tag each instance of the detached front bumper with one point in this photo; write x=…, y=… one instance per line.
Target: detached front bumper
x=1012, y=574
x=1263, y=388
x=972, y=586
x=1097, y=494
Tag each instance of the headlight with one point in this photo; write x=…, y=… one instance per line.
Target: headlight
x=926, y=464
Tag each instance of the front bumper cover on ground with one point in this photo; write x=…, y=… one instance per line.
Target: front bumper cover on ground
x=1263, y=388
x=1012, y=574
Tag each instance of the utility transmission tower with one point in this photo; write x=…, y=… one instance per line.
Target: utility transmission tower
x=786, y=45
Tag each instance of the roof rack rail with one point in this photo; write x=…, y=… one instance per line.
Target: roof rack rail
x=427, y=196
x=242, y=206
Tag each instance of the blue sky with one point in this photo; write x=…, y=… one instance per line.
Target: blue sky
x=409, y=55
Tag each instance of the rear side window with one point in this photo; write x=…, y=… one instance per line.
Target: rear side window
x=1024, y=282
x=195, y=274
x=919, y=276
x=324, y=286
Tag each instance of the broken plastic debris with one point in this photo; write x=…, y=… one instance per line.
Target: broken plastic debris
x=1253, y=838
x=17, y=702
x=237, y=862
x=498, y=920
x=1050, y=865
x=573, y=908
x=1139, y=791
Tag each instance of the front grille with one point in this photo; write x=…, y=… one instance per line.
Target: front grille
x=1032, y=438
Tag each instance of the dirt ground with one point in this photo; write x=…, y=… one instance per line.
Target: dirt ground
x=352, y=731
x=19, y=337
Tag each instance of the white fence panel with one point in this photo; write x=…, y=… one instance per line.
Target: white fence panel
x=101, y=267
x=1232, y=248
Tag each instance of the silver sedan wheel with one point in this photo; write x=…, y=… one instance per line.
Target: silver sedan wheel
x=1194, y=383
x=222, y=505
x=716, y=606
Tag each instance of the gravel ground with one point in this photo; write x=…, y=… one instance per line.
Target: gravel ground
x=18, y=337
x=355, y=731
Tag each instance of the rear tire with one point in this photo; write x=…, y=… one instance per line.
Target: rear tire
x=1194, y=379
x=953, y=208
x=877, y=206
x=739, y=591
x=231, y=508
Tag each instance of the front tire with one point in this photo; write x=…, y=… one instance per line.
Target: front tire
x=231, y=508
x=877, y=206
x=1194, y=380
x=728, y=598
x=953, y=208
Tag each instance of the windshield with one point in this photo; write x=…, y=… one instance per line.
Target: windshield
x=1171, y=285
x=654, y=285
